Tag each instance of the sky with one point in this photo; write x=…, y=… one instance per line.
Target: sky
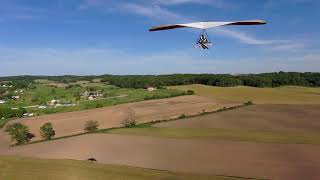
x=93, y=37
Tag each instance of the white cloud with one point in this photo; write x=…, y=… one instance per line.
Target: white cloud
x=213, y=3
x=86, y=4
x=277, y=3
x=241, y=36
x=153, y=12
x=273, y=45
x=157, y=12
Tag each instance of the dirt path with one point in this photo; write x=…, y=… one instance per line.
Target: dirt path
x=274, y=161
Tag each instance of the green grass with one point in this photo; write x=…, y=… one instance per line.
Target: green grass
x=280, y=95
x=224, y=134
x=44, y=94
x=17, y=168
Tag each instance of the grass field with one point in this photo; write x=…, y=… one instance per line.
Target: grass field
x=17, y=168
x=73, y=98
x=224, y=134
x=280, y=95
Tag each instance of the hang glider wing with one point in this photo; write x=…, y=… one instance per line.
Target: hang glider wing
x=206, y=25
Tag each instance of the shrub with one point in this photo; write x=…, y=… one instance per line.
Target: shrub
x=99, y=105
x=34, y=99
x=47, y=131
x=248, y=103
x=18, y=132
x=190, y=92
x=70, y=86
x=182, y=116
x=91, y=126
x=203, y=112
x=129, y=123
x=222, y=109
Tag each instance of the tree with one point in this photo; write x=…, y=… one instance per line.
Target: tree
x=18, y=132
x=53, y=91
x=47, y=131
x=19, y=112
x=9, y=113
x=130, y=121
x=91, y=126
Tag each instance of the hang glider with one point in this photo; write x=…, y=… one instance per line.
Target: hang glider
x=203, y=41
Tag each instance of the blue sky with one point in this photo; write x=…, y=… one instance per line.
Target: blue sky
x=54, y=37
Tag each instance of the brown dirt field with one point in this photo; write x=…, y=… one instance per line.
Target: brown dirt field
x=4, y=141
x=299, y=118
x=73, y=122
x=245, y=159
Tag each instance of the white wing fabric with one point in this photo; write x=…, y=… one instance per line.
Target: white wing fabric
x=206, y=25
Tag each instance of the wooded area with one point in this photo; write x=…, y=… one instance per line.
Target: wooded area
x=224, y=80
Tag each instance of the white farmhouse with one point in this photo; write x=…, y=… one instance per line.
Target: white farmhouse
x=2, y=101
x=15, y=97
x=54, y=102
x=42, y=107
x=92, y=98
x=150, y=88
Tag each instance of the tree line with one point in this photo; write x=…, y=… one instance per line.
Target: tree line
x=223, y=80
x=275, y=79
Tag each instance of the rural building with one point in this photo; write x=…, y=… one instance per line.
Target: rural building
x=65, y=104
x=15, y=97
x=2, y=101
x=92, y=98
x=18, y=91
x=42, y=107
x=150, y=88
x=28, y=114
x=93, y=95
x=53, y=102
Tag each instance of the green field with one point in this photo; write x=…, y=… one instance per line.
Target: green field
x=43, y=93
x=224, y=134
x=279, y=95
x=17, y=168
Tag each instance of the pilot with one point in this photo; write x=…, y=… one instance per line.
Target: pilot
x=203, y=39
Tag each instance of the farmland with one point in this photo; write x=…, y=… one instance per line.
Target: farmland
x=159, y=90
x=228, y=158
x=47, y=97
x=277, y=137
x=260, y=123
x=278, y=95
x=38, y=169
x=73, y=122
